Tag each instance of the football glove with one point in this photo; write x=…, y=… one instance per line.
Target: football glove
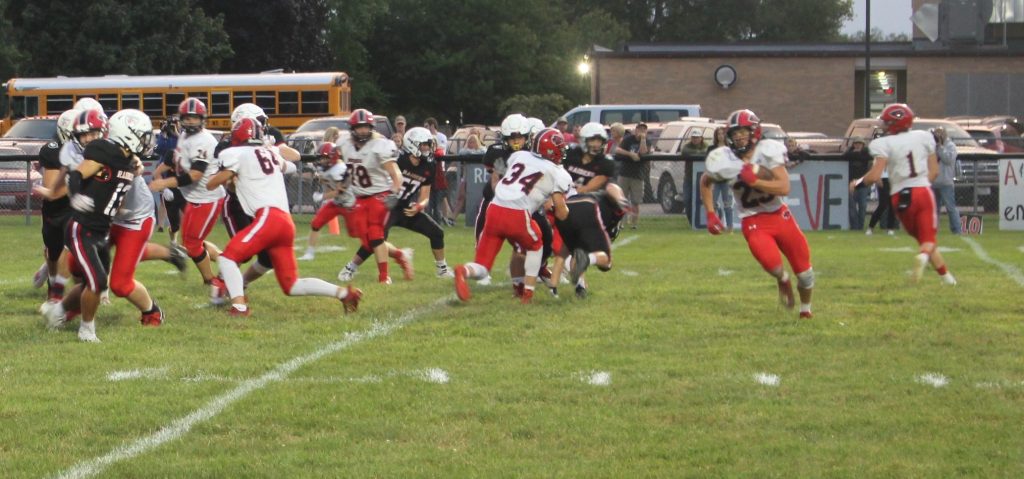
x=715, y=226
x=317, y=197
x=747, y=174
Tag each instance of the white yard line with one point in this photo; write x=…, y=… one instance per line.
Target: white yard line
x=767, y=379
x=934, y=380
x=1012, y=271
x=625, y=241
x=430, y=375
x=183, y=425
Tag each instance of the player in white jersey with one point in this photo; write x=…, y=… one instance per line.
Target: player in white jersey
x=193, y=158
x=258, y=172
x=337, y=199
x=376, y=182
x=532, y=177
x=768, y=225
x=909, y=157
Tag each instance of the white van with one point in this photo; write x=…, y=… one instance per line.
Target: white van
x=626, y=114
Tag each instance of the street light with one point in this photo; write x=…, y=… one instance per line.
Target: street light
x=584, y=66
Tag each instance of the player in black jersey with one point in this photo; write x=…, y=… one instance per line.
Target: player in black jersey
x=97, y=189
x=418, y=171
x=55, y=211
x=587, y=234
x=587, y=163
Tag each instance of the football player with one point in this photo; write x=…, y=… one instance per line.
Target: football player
x=909, y=158
x=376, y=182
x=97, y=189
x=768, y=225
x=594, y=221
x=258, y=172
x=587, y=163
x=193, y=169
x=337, y=199
x=55, y=211
x=532, y=177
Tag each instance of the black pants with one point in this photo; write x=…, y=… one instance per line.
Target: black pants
x=421, y=223
x=54, y=229
x=583, y=229
x=91, y=250
x=884, y=211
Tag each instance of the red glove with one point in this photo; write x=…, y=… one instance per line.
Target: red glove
x=747, y=174
x=715, y=225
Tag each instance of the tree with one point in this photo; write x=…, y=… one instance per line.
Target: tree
x=142, y=37
x=547, y=107
x=348, y=31
x=9, y=56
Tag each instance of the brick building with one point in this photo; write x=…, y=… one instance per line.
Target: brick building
x=970, y=70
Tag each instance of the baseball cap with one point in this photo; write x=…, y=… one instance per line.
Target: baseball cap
x=858, y=139
x=696, y=132
x=562, y=119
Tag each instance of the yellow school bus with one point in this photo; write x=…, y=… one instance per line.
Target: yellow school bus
x=289, y=99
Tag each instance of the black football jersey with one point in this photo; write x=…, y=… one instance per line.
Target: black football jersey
x=49, y=159
x=582, y=173
x=494, y=153
x=108, y=187
x=612, y=213
x=414, y=177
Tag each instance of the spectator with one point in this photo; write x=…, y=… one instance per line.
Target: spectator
x=562, y=124
x=474, y=146
x=795, y=153
x=442, y=140
x=945, y=150
x=332, y=134
x=720, y=191
x=696, y=145
x=883, y=212
x=399, y=135
x=859, y=161
x=628, y=154
x=576, y=131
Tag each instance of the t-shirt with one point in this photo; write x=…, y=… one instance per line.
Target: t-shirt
x=529, y=181
x=197, y=148
x=108, y=187
x=260, y=179
x=627, y=167
x=906, y=157
x=414, y=177
x=581, y=172
x=49, y=158
x=367, y=163
x=750, y=201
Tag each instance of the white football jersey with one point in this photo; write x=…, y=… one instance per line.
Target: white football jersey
x=529, y=181
x=260, y=177
x=750, y=201
x=71, y=155
x=906, y=158
x=336, y=173
x=197, y=147
x=138, y=205
x=367, y=163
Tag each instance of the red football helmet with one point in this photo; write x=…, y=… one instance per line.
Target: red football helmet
x=897, y=118
x=328, y=155
x=743, y=119
x=360, y=117
x=89, y=121
x=549, y=144
x=247, y=131
x=192, y=107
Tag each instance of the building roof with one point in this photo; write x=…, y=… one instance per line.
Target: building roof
x=758, y=49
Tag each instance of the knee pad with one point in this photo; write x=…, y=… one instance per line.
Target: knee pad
x=805, y=280
x=200, y=257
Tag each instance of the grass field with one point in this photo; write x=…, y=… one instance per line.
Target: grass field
x=679, y=364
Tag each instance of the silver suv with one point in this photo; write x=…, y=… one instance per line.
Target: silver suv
x=308, y=137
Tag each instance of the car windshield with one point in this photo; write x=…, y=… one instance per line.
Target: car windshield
x=959, y=136
x=33, y=128
x=773, y=132
x=323, y=124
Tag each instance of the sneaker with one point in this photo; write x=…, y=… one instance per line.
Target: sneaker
x=346, y=274
x=218, y=292
x=87, y=336
x=154, y=319
x=868, y=232
x=554, y=292
x=238, y=313
x=178, y=257
x=461, y=286
x=517, y=290
x=405, y=262
x=527, y=296
x=890, y=232
x=920, y=261
x=351, y=299
x=386, y=280
x=445, y=272
x=948, y=279
x=580, y=262
x=54, y=314
x=806, y=315
x=105, y=297
x=544, y=275
x=449, y=221
x=39, y=279
x=581, y=292
x=786, y=294
x=309, y=256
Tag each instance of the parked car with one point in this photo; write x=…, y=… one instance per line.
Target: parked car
x=308, y=137
x=999, y=137
x=818, y=143
x=629, y=114
x=30, y=134
x=15, y=187
x=668, y=178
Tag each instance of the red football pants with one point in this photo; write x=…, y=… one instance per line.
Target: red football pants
x=769, y=233
x=272, y=231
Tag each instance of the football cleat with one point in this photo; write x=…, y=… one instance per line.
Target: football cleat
x=948, y=279
x=445, y=272
x=308, y=256
x=786, y=294
x=806, y=315
x=580, y=262
x=517, y=289
x=154, y=319
x=461, y=286
x=39, y=279
x=386, y=281
x=581, y=292
x=554, y=292
x=544, y=275
x=527, y=296
x=54, y=314
x=351, y=299
x=405, y=262
x=920, y=262
x=346, y=274
x=238, y=313
x=178, y=257
x=218, y=291
x=87, y=336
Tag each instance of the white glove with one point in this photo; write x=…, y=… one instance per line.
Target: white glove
x=168, y=195
x=82, y=203
x=317, y=197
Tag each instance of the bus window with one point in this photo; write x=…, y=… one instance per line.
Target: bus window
x=22, y=106
x=314, y=102
x=153, y=104
x=201, y=95
x=109, y=103
x=288, y=102
x=130, y=100
x=240, y=97
x=171, y=103
x=343, y=101
x=221, y=103
x=267, y=100
x=57, y=104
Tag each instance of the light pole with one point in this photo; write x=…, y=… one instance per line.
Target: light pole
x=867, y=58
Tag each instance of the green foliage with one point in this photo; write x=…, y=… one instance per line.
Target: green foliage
x=547, y=107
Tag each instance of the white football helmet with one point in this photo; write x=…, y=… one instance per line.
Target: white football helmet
x=132, y=130
x=591, y=130
x=414, y=138
x=66, y=124
x=88, y=103
x=247, y=110
x=536, y=125
x=515, y=124
x=722, y=165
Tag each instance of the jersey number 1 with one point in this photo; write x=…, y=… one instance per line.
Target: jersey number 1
x=910, y=158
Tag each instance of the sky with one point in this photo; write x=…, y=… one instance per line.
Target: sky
x=890, y=16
